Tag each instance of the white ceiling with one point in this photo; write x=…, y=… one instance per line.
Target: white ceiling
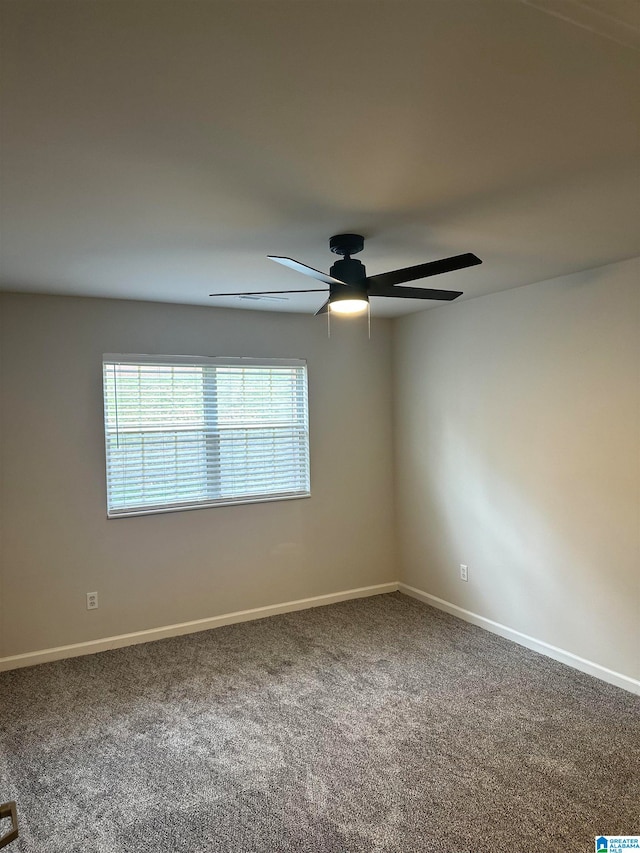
x=160, y=150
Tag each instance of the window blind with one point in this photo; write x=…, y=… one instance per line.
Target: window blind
x=183, y=432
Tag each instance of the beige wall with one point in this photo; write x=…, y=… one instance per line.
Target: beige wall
x=517, y=435
x=162, y=569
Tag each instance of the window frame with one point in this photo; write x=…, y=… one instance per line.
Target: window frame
x=137, y=359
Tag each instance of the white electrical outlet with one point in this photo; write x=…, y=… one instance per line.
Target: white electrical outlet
x=92, y=601
x=464, y=573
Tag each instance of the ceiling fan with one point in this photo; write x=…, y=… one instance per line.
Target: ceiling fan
x=350, y=287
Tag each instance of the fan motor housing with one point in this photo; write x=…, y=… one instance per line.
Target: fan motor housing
x=350, y=271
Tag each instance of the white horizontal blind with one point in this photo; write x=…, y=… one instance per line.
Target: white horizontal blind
x=184, y=432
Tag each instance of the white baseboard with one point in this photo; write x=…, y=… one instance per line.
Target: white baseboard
x=591, y=668
x=93, y=646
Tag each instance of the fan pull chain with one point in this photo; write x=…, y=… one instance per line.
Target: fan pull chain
x=329, y=323
x=369, y=318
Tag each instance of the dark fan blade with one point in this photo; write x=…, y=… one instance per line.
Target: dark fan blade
x=305, y=270
x=457, y=262
x=413, y=292
x=324, y=309
x=271, y=292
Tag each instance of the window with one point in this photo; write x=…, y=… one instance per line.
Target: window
x=183, y=432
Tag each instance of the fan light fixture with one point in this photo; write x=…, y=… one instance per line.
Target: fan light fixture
x=348, y=304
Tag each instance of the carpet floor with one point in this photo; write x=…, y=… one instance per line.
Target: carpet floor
x=372, y=726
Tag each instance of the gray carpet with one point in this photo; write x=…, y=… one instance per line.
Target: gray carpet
x=374, y=725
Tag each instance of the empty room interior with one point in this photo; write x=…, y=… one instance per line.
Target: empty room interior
x=320, y=426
